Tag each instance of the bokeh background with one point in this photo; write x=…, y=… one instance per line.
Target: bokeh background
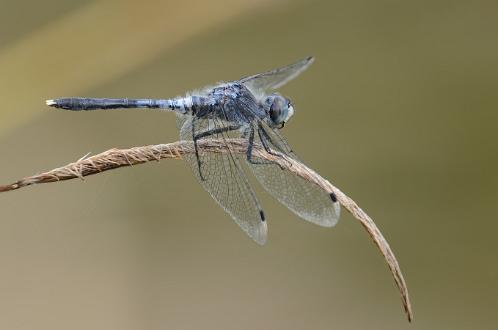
x=399, y=111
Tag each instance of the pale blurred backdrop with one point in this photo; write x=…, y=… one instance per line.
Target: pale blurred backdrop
x=399, y=111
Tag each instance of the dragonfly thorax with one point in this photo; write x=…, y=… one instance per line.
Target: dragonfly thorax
x=279, y=110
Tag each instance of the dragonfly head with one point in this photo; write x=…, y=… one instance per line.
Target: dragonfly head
x=279, y=110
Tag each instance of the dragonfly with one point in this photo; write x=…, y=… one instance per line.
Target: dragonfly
x=250, y=109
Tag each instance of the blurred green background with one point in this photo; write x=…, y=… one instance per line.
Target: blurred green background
x=399, y=111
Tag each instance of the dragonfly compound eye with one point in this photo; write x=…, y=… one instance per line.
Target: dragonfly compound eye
x=280, y=109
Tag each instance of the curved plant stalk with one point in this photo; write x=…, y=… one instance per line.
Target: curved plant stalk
x=115, y=158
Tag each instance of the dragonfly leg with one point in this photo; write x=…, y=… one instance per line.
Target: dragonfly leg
x=207, y=133
x=264, y=137
x=250, y=148
x=216, y=131
x=196, y=148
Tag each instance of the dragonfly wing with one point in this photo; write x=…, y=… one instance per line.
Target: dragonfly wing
x=223, y=177
x=276, y=78
x=304, y=198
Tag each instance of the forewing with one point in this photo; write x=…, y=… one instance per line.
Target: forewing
x=222, y=176
x=276, y=78
x=302, y=197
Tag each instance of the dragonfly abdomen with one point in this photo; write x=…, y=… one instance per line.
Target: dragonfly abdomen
x=181, y=104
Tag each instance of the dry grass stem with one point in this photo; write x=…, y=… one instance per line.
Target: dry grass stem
x=115, y=158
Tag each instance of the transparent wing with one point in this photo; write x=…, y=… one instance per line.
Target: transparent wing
x=276, y=78
x=222, y=176
x=302, y=197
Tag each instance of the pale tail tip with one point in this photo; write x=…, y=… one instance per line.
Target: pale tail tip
x=50, y=102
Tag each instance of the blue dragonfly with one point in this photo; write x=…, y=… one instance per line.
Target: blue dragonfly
x=251, y=109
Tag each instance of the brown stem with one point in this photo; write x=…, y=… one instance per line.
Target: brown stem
x=115, y=158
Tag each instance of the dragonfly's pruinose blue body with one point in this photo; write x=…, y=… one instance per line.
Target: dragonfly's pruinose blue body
x=247, y=108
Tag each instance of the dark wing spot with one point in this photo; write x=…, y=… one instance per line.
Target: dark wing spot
x=333, y=197
x=262, y=215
